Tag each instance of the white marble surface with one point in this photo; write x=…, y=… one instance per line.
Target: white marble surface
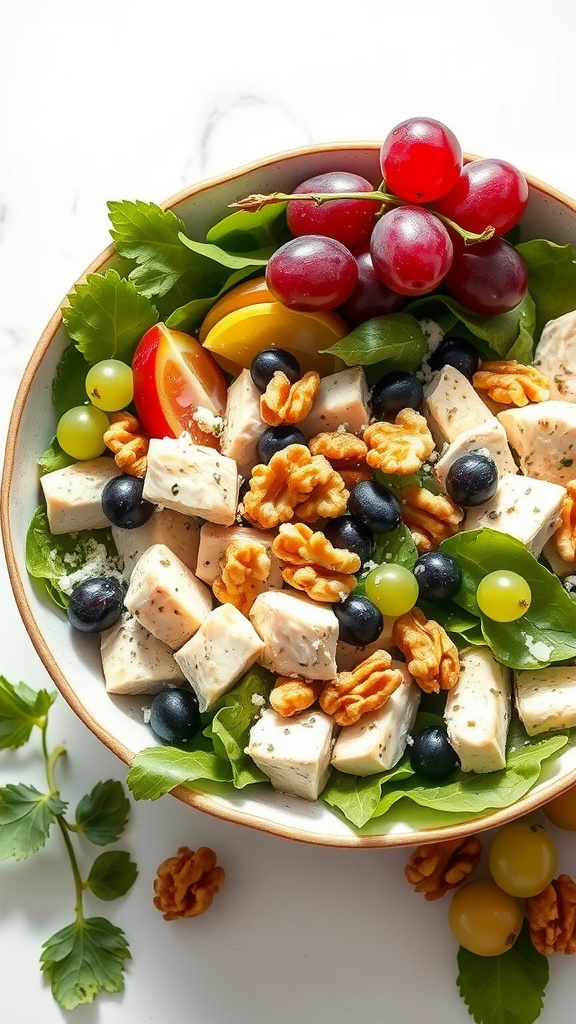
x=135, y=99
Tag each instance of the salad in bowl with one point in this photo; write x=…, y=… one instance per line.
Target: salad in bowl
x=289, y=491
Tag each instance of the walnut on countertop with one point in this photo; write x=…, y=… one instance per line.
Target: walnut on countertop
x=551, y=917
x=435, y=868
x=187, y=883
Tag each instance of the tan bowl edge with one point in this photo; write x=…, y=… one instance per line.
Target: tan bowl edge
x=200, y=801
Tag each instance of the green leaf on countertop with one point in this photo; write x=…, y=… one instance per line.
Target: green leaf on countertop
x=50, y=558
x=395, y=342
x=505, y=989
x=248, y=231
x=102, y=814
x=83, y=959
x=54, y=458
x=546, y=633
x=551, y=278
x=69, y=384
x=20, y=710
x=155, y=771
x=25, y=819
x=112, y=875
x=107, y=316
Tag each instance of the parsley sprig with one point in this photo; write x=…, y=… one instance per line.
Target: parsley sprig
x=89, y=955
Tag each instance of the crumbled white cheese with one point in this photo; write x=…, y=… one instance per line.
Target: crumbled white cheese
x=207, y=421
x=432, y=332
x=570, y=583
x=92, y=560
x=257, y=700
x=146, y=715
x=370, y=564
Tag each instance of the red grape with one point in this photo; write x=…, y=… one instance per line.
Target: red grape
x=411, y=250
x=311, y=273
x=420, y=160
x=370, y=297
x=488, y=192
x=349, y=221
x=489, y=277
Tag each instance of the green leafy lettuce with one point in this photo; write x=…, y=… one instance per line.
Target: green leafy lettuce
x=505, y=989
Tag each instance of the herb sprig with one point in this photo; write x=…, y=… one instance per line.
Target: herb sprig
x=89, y=955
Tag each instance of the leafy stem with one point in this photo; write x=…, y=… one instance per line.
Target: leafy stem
x=257, y=201
x=87, y=956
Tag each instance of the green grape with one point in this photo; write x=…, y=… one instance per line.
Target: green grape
x=80, y=432
x=392, y=588
x=484, y=919
x=503, y=596
x=110, y=385
x=522, y=859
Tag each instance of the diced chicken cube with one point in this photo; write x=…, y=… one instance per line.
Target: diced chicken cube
x=452, y=406
x=219, y=653
x=191, y=479
x=74, y=495
x=555, y=357
x=213, y=542
x=378, y=739
x=348, y=656
x=135, y=661
x=490, y=439
x=293, y=752
x=166, y=598
x=526, y=508
x=544, y=437
x=477, y=712
x=243, y=426
x=342, y=401
x=179, y=533
x=546, y=698
x=300, y=635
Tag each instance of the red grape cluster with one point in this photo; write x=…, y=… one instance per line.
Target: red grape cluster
x=437, y=223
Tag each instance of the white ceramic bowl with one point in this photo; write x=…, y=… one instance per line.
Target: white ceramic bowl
x=73, y=660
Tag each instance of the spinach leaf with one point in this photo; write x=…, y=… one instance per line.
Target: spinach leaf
x=396, y=546
x=502, y=332
x=395, y=342
x=69, y=384
x=245, y=231
x=546, y=633
x=551, y=278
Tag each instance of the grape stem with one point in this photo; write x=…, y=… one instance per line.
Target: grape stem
x=257, y=201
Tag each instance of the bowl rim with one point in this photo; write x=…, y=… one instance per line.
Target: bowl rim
x=202, y=801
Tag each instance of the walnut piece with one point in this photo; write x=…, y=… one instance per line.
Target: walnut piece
x=551, y=917
x=297, y=544
x=244, y=564
x=294, y=480
x=400, y=447
x=291, y=694
x=283, y=402
x=431, y=656
x=435, y=868
x=127, y=440
x=187, y=883
x=511, y=383
x=431, y=518
x=565, y=536
x=318, y=583
x=338, y=445
x=366, y=688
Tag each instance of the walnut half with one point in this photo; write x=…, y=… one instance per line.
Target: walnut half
x=187, y=883
x=551, y=917
x=435, y=868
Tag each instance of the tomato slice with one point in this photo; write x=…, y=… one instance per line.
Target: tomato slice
x=174, y=376
x=246, y=294
x=237, y=337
